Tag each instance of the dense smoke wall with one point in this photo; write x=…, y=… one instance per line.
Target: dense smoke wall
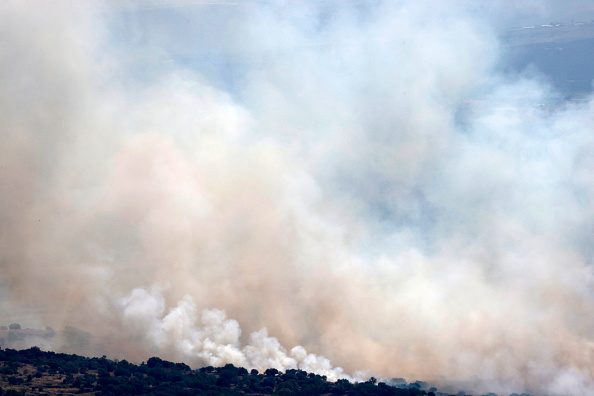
x=267, y=184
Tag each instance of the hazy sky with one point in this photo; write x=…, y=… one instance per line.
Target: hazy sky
x=343, y=187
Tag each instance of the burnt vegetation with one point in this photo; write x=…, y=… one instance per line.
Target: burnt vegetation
x=36, y=372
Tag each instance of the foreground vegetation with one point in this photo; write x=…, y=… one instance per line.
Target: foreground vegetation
x=35, y=372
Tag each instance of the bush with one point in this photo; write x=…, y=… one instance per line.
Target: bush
x=13, y=380
x=271, y=372
x=122, y=372
x=154, y=361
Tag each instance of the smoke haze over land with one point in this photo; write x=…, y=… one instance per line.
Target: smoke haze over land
x=265, y=184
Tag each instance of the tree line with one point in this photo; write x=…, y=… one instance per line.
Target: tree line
x=32, y=371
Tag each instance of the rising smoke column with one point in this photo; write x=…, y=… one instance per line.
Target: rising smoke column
x=253, y=183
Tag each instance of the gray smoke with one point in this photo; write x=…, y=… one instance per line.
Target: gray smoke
x=267, y=184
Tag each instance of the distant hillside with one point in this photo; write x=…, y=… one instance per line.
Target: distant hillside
x=550, y=33
x=70, y=340
x=564, y=54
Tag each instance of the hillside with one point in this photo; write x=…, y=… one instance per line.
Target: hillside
x=36, y=372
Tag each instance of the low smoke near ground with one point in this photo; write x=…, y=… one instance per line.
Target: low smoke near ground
x=341, y=187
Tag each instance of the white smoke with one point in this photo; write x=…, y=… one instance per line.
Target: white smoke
x=211, y=339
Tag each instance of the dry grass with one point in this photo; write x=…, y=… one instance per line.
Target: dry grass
x=48, y=384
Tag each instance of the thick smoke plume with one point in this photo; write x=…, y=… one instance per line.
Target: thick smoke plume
x=266, y=184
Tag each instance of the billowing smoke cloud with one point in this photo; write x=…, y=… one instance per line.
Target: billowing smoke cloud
x=267, y=184
x=213, y=339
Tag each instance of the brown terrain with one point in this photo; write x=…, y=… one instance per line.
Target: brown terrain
x=48, y=384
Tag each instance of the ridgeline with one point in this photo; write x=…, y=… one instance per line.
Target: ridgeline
x=36, y=372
